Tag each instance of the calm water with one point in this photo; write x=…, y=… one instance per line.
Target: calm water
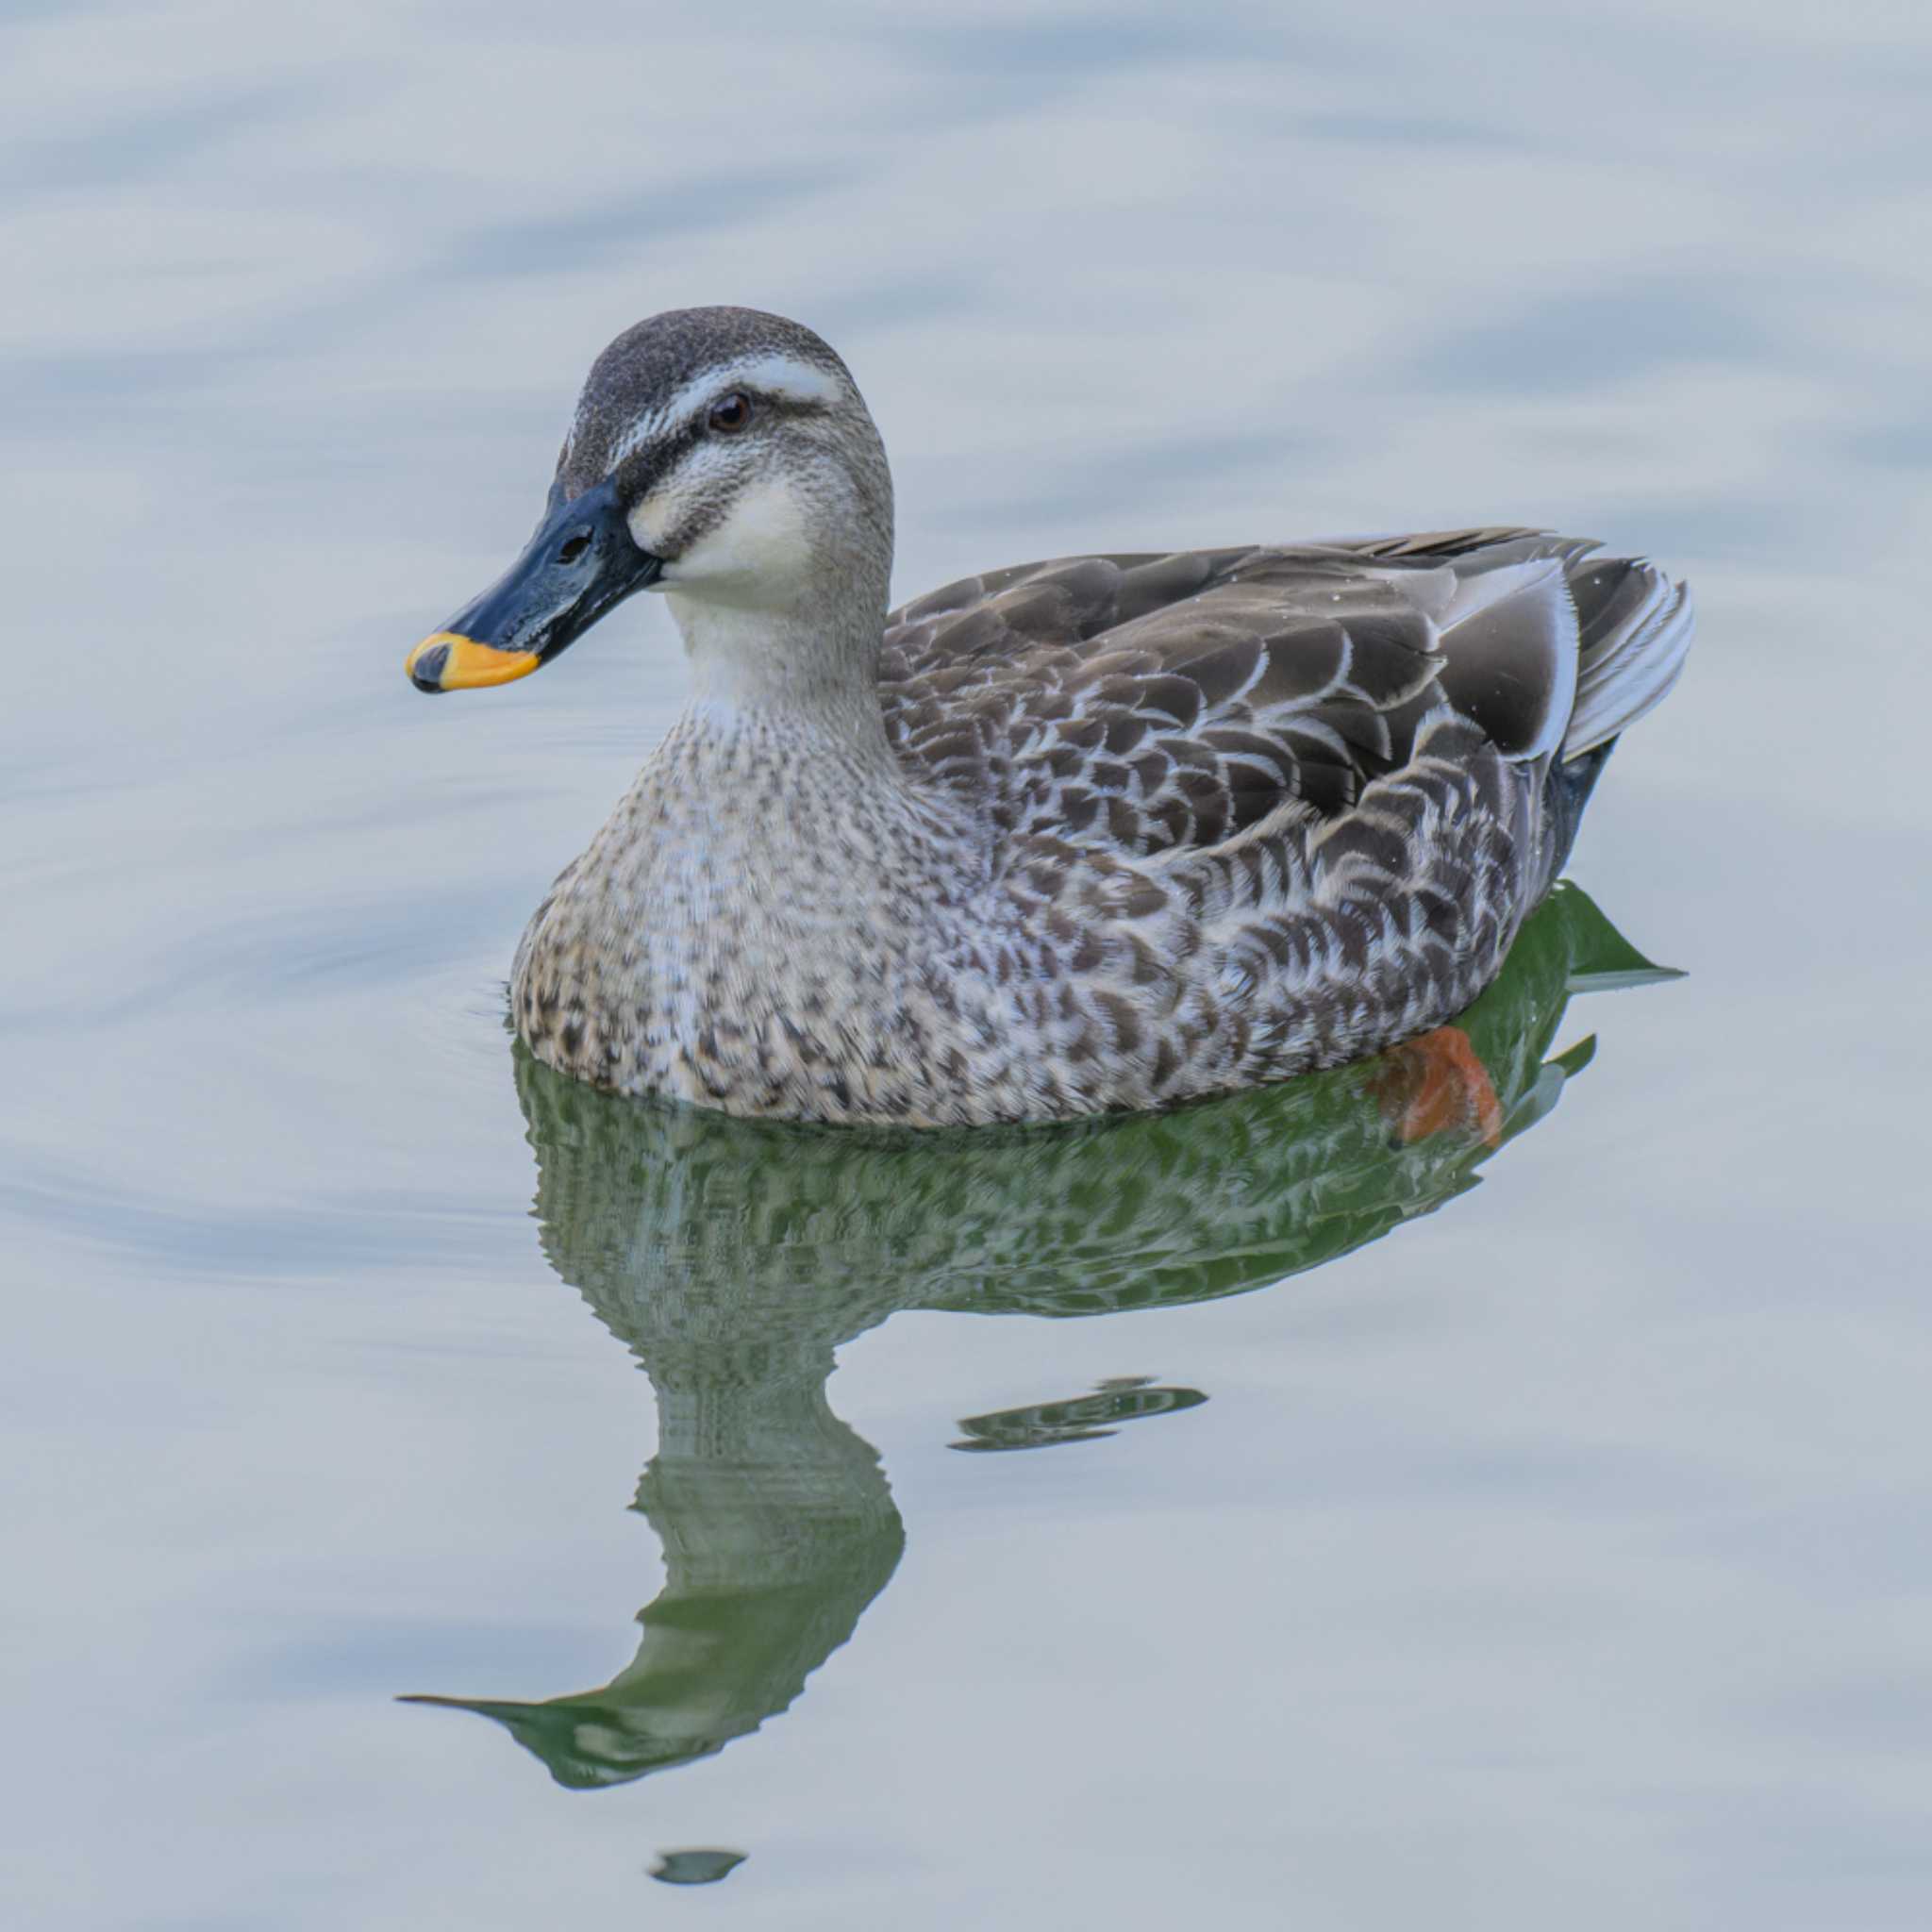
x=1288, y=1552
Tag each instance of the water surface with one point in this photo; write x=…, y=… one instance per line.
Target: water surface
x=1337, y=1507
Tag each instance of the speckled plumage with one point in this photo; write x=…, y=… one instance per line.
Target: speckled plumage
x=1110, y=832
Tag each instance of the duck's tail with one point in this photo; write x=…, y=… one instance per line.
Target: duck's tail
x=1634, y=628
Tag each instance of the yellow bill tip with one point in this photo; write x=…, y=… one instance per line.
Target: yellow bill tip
x=448, y=660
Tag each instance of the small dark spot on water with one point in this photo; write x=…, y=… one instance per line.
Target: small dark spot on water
x=695, y=1867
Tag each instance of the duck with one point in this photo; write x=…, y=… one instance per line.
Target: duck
x=1100, y=834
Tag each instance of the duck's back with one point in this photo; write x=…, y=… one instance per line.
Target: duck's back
x=1142, y=703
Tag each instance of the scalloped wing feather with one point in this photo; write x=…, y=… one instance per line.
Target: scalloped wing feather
x=1145, y=702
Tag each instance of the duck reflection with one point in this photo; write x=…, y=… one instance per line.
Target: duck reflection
x=733, y=1258
x=1084, y=1419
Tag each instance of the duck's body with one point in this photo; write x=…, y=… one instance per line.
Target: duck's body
x=1105, y=833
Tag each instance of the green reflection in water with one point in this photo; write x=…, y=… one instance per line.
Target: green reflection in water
x=696, y=1868
x=733, y=1258
x=1084, y=1419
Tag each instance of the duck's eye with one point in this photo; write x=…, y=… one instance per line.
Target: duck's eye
x=730, y=412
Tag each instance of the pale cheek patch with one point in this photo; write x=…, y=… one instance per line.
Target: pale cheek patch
x=762, y=543
x=650, y=522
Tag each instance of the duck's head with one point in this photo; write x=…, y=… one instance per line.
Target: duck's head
x=721, y=454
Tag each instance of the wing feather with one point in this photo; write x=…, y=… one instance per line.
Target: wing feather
x=1144, y=701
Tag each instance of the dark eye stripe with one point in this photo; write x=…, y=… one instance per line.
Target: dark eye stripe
x=766, y=403
x=644, y=469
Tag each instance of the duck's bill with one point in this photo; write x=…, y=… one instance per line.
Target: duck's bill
x=581, y=562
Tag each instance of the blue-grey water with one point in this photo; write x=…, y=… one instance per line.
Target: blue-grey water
x=1334, y=1543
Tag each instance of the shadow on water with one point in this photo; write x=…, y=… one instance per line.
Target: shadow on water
x=733, y=1258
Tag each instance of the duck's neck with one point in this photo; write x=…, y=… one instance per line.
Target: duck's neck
x=811, y=667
